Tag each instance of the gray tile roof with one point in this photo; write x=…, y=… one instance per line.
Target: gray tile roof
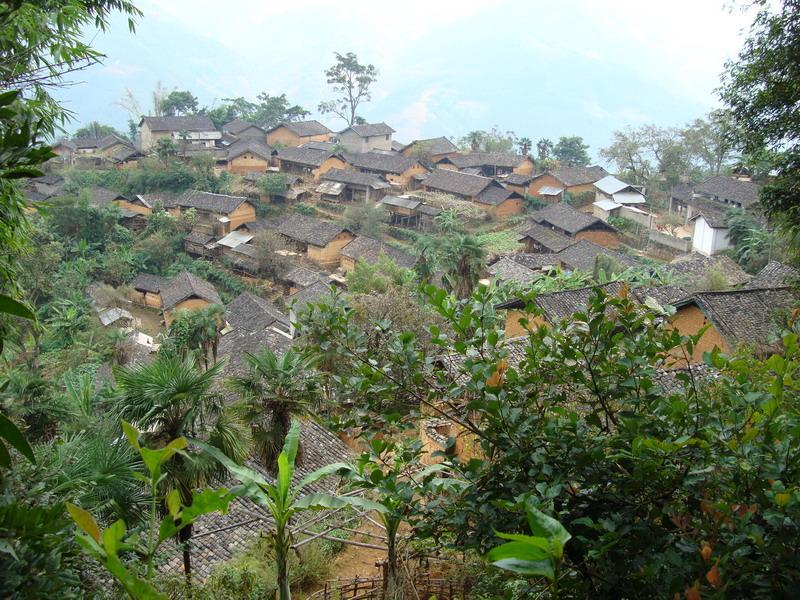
x=382, y=162
x=304, y=128
x=248, y=311
x=186, y=285
x=438, y=145
x=715, y=213
x=193, y=123
x=356, y=178
x=507, y=269
x=486, y=159
x=100, y=196
x=208, y=201
x=237, y=126
x=494, y=195
x=370, y=129
x=723, y=188
x=369, y=250
x=556, y=306
x=309, y=230
x=536, y=261
x=682, y=191
x=746, y=317
x=149, y=283
x=692, y=269
x=583, y=254
x=774, y=275
x=313, y=294
x=544, y=236
x=517, y=179
x=665, y=294
x=569, y=219
x=401, y=202
x=253, y=145
x=303, y=277
x=571, y=176
x=307, y=157
x=461, y=184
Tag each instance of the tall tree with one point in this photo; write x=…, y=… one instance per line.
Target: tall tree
x=95, y=129
x=761, y=91
x=179, y=102
x=544, y=149
x=489, y=141
x=525, y=144
x=351, y=81
x=275, y=389
x=171, y=398
x=274, y=110
x=571, y=151
x=710, y=141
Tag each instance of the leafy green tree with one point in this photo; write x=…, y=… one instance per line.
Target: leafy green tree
x=525, y=144
x=274, y=110
x=273, y=184
x=758, y=88
x=711, y=141
x=95, y=129
x=544, y=149
x=270, y=254
x=195, y=333
x=571, y=151
x=351, y=83
x=171, y=398
x=179, y=102
x=284, y=501
x=460, y=257
x=275, y=389
x=380, y=276
x=366, y=219
x=166, y=150
x=489, y=141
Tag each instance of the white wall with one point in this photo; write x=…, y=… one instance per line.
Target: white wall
x=709, y=240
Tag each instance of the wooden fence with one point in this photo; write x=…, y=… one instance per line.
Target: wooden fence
x=421, y=587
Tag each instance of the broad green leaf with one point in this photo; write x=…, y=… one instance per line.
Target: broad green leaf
x=113, y=535
x=11, y=433
x=135, y=586
x=536, y=541
x=7, y=548
x=132, y=434
x=545, y=526
x=174, y=503
x=207, y=501
x=523, y=558
x=84, y=520
x=12, y=307
x=341, y=469
x=5, y=457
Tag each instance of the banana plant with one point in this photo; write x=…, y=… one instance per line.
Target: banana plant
x=284, y=500
x=107, y=545
x=538, y=555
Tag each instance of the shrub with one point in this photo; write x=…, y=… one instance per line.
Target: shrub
x=305, y=209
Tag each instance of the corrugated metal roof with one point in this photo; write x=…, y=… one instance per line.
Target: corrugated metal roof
x=610, y=185
x=402, y=202
x=549, y=190
x=330, y=188
x=629, y=198
x=234, y=238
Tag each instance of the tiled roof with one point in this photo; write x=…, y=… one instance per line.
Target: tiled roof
x=304, y=128
x=149, y=283
x=401, y=202
x=583, y=254
x=186, y=285
x=248, y=311
x=546, y=237
x=439, y=145
x=237, y=126
x=774, y=275
x=313, y=294
x=319, y=145
x=665, y=294
x=369, y=250
x=303, y=277
x=556, y=306
x=217, y=203
x=453, y=182
x=309, y=230
x=193, y=123
x=198, y=237
x=383, y=162
x=724, y=188
x=487, y=159
x=371, y=129
x=572, y=176
x=356, y=178
x=494, y=195
x=682, y=191
x=693, y=269
x=745, y=317
x=567, y=218
x=506, y=269
x=536, y=261
x=100, y=196
x=252, y=145
x=715, y=213
x=517, y=179
x=309, y=157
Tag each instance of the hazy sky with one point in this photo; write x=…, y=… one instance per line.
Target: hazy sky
x=539, y=68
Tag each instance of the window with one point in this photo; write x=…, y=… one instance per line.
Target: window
x=387, y=136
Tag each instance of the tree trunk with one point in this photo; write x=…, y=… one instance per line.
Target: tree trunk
x=185, y=537
x=393, y=587
x=282, y=562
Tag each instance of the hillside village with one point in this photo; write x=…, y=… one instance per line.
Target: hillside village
x=250, y=354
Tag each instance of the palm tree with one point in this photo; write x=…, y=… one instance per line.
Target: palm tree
x=525, y=144
x=171, y=398
x=196, y=332
x=275, y=389
x=462, y=258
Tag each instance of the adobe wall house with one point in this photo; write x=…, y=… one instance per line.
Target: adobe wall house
x=433, y=149
x=308, y=161
x=369, y=250
x=490, y=194
x=363, y=138
x=197, y=130
x=298, y=133
x=397, y=169
x=321, y=241
x=249, y=155
x=218, y=214
x=488, y=164
x=575, y=180
x=184, y=291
